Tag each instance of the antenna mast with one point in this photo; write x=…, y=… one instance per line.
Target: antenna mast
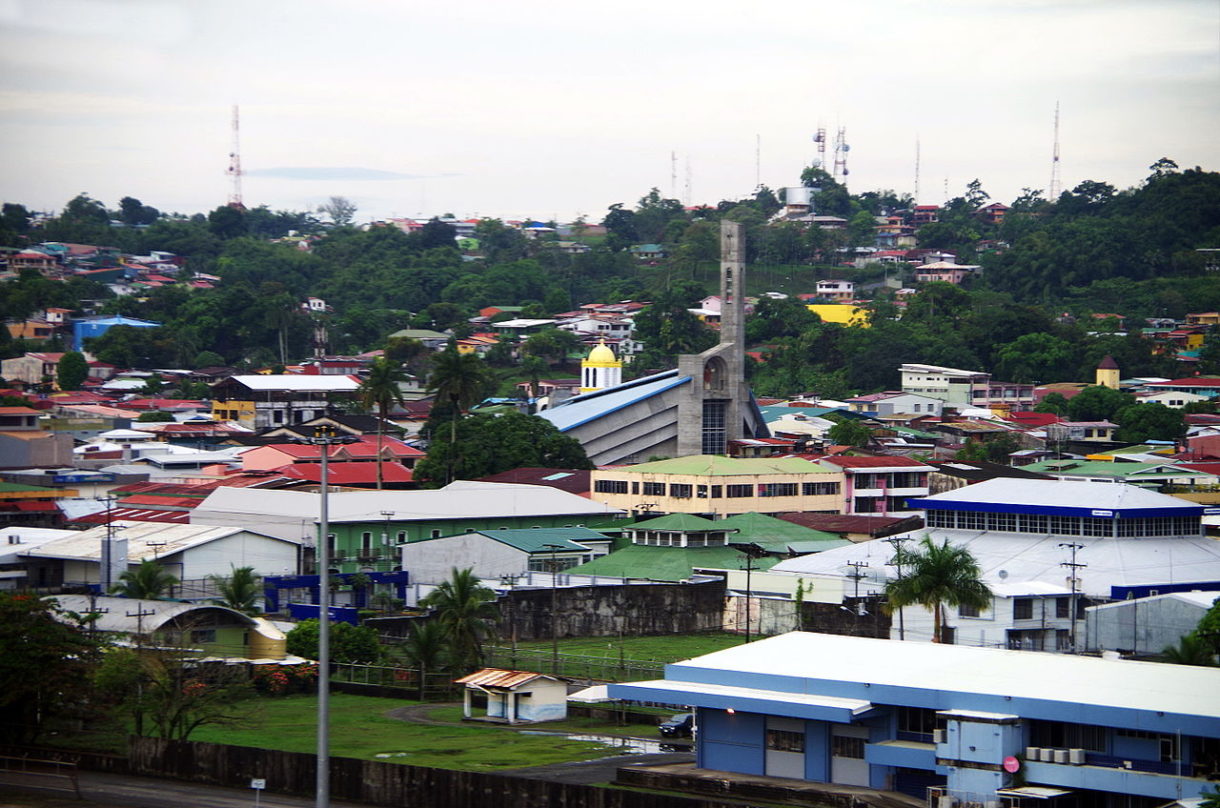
x=686, y=192
x=841, y=150
x=757, y=162
x=820, y=139
x=916, y=201
x=1054, y=190
x=673, y=175
x=235, y=164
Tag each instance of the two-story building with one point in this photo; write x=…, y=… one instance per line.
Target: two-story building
x=953, y=725
x=965, y=388
x=837, y=290
x=716, y=486
x=265, y=401
x=879, y=485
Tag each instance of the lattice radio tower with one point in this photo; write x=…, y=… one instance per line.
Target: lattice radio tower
x=841, y=150
x=820, y=139
x=1054, y=190
x=234, y=171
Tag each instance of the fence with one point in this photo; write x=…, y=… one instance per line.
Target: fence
x=377, y=783
x=575, y=666
x=39, y=767
x=399, y=681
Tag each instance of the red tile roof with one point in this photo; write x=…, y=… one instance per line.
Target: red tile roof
x=348, y=473
x=854, y=462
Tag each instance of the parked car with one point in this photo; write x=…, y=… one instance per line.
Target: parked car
x=680, y=726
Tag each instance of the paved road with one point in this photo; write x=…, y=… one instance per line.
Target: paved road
x=102, y=790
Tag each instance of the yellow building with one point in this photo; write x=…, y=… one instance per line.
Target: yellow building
x=840, y=313
x=1107, y=373
x=600, y=369
x=721, y=486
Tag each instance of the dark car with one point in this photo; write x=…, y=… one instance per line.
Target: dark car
x=680, y=726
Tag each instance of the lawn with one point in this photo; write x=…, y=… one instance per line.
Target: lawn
x=359, y=729
x=661, y=649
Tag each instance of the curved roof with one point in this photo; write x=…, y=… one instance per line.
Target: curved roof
x=591, y=406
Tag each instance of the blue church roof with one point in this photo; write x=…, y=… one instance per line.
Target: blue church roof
x=1006, y=495
x=591, y=406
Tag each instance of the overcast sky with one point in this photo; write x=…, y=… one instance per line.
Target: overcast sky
x=554, y=109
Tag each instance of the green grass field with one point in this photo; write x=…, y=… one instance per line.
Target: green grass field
x=359, y=729
x=661, y=649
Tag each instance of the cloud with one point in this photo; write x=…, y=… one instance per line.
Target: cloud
x=345, y=173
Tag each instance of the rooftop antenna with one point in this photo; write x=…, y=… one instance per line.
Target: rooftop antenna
x=916, y=201
x=1053, y=191
x=235, y=164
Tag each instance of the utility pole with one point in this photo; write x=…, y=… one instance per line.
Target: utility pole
x=856, y=575
x=1075, y=581
x=896, y=543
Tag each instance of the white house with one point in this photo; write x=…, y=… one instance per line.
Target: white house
x=516, y=696
x=494, y=554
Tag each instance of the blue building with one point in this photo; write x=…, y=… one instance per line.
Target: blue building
x=985, y=726
x=96, y=326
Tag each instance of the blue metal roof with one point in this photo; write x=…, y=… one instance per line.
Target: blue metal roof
x=591, y=406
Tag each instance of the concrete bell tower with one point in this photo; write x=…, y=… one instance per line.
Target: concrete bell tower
x=600, y=369
x=1107, y=373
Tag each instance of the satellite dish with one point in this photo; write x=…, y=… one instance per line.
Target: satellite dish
x=846, y=147
x=1003, y=574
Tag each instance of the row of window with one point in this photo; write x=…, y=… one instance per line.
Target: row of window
x=898, y=479
x=687, y=490
x=1064, y=525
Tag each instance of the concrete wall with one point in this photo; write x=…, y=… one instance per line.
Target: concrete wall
x=606, y=611
x=1144, y=626
x=431, y=562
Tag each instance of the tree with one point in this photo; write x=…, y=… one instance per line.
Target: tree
x=466, y=612
x=348, y=643
x=208, y=359
x=488, y=444
x=850, y=433
x=1038, y=357
x=1190, y=650
x=71, y=370
x=340, y=209
x=132, y=211
x=155, y=417
x=149, y=581
x=381, y=389
x=239, y=590
x=458, y=381
x=1054, y=403
x=425, y=649
x=1209, y=626
x=45, y=664
x=995, y=450
x=227, y=222
x=552, y=344
x=936, y=574
x=1097, y=403
x=1143, y=422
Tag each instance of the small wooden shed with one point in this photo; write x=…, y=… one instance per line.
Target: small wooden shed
x=514, y=697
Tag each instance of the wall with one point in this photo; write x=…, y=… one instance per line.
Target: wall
x=432, y=562
x=606, y=611
x=1142, y=626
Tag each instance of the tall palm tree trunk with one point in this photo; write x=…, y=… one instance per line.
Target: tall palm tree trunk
x=383, y=410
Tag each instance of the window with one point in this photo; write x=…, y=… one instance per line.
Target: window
x=610, y=486
x=681, y=490
x=739, y=491
x=654, y=489
x=847, y=747
x=436, y=534
x=819, y=489
x=1023, y=609
x=967, y=611
x=717, y=491
x=635, y=487
x=1063, y=607
x=782, y=740
x=202, y=635
x=366, y=541
x=777, y=489
x=917, y=724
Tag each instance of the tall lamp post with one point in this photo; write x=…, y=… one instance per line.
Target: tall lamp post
x=751, y=551
x=324, y=437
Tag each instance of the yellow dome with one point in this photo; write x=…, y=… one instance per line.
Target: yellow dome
x=602, y=354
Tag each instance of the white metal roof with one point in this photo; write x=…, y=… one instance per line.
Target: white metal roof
x=299, y=383
x=680, y=687
x=1061, y=493
x=131, y=615
x=1203, y=600
x=144, y=540
x=1011, y=561
x=998, y=672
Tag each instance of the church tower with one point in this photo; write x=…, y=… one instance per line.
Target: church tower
x=716, y=407
x=600, y=369
x=1107, y=373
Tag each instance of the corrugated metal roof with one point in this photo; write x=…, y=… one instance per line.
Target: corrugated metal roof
x=499, y=678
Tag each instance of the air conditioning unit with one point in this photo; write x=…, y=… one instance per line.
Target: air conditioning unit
x=1033, y=753
x=1076, y=756
x=1048, y=755
x=1061, y=756
x=946, y=802
x=938, y=736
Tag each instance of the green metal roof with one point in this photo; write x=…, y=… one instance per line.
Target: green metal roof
x=1099, y=468
x=535, y=540
x=17, y=488
x=720, y=466
x=759, y=528
x=667, y=563
x=680, y=522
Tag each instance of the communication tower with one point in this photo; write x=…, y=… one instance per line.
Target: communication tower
x=1054, y=190
x=841, y=150
x=235, y=165
x=820, y=139
x=916, y=201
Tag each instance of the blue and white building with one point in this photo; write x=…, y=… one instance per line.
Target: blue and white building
x=983, y=726
x=1125, y=541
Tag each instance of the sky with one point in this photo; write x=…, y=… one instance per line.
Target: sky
x=551, y=110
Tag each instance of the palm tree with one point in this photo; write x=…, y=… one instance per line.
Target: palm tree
x=239, y=590
x=458, y=379
x=149, y=581
x=466, y=612
x=936, y=574
x=425, y=649
x=1190, y=650
x=381, y=389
